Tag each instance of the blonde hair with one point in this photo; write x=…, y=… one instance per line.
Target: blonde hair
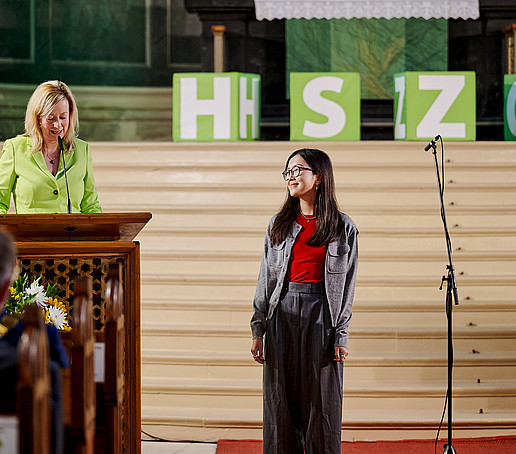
x=43, y=100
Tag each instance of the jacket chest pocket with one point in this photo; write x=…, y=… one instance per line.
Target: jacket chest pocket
x=337, y=259
x=275, y=256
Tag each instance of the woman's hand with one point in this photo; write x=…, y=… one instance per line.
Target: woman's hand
x=257, y=350
x=340, y=354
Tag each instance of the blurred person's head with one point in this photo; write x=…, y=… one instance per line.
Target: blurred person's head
x=7, y=265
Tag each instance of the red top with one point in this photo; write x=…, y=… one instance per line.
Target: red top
x=307, y=262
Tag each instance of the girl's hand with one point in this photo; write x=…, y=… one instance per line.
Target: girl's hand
x=340, y=354
x=257, y=350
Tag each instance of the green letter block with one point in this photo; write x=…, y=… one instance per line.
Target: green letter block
x=324, y=106
x=210, y=107
x=509, y=116
x=427, y=104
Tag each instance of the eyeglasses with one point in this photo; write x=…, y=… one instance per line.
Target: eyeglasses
x=294, y=172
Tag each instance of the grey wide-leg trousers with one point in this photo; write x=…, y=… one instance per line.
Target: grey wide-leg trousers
x=302, y=384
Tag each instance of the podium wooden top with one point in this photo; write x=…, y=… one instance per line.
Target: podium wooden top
x=75, y=227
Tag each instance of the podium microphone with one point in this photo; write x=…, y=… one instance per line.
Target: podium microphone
x=61, y=150
x=432, y=142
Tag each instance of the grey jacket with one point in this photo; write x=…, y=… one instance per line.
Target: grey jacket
x=339, y=279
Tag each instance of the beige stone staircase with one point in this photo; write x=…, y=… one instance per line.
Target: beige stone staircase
x=200, y=257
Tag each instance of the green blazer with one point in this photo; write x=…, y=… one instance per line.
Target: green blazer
x=25, y=174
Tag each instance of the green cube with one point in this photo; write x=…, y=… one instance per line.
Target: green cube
x=325, y=106
x=509, y=110
x=427, y=104
x=209, y=107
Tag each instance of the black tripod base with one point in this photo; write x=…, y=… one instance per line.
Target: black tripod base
x=449, y=449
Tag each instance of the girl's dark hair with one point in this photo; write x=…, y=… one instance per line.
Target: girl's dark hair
x=329, y=222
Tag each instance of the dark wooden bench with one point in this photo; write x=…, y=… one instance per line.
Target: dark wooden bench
x=33, y=390
x=114, y=359
x=108, y=395
x=82, y=388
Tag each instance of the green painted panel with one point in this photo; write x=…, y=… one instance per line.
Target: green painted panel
x=16, y=29
x=92, y=42
x=111, y=32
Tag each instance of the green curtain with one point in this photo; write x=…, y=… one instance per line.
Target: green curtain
x=375, y=48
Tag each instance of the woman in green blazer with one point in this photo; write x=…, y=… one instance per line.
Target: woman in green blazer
x=31, y=167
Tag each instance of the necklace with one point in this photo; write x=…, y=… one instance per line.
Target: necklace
x=307, y=218
x=53, y=158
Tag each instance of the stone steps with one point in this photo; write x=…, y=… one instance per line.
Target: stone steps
x=236, y=312
x=379, y=366
x=201, y=252
x=213, y=425
x=494, y=395
x=411, y=340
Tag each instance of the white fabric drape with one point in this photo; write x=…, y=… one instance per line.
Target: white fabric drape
x=348, y=9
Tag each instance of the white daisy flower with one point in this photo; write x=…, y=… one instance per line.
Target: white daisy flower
x=40, y=297
x=57, y=317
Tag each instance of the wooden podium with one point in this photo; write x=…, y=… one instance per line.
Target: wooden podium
x=61, y=247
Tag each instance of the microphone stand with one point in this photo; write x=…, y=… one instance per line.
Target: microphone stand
x=451, y=290
x=61, y=150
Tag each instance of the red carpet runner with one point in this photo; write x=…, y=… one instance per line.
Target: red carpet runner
x=498, y=445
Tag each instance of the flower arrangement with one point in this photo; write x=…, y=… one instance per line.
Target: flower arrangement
x=24, y=292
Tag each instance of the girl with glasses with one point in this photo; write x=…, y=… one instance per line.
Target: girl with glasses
x=302, y=307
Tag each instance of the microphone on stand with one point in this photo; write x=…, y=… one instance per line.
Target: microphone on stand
x=432, y=142
x=61, y=150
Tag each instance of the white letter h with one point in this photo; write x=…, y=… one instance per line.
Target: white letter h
x=191, y=107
